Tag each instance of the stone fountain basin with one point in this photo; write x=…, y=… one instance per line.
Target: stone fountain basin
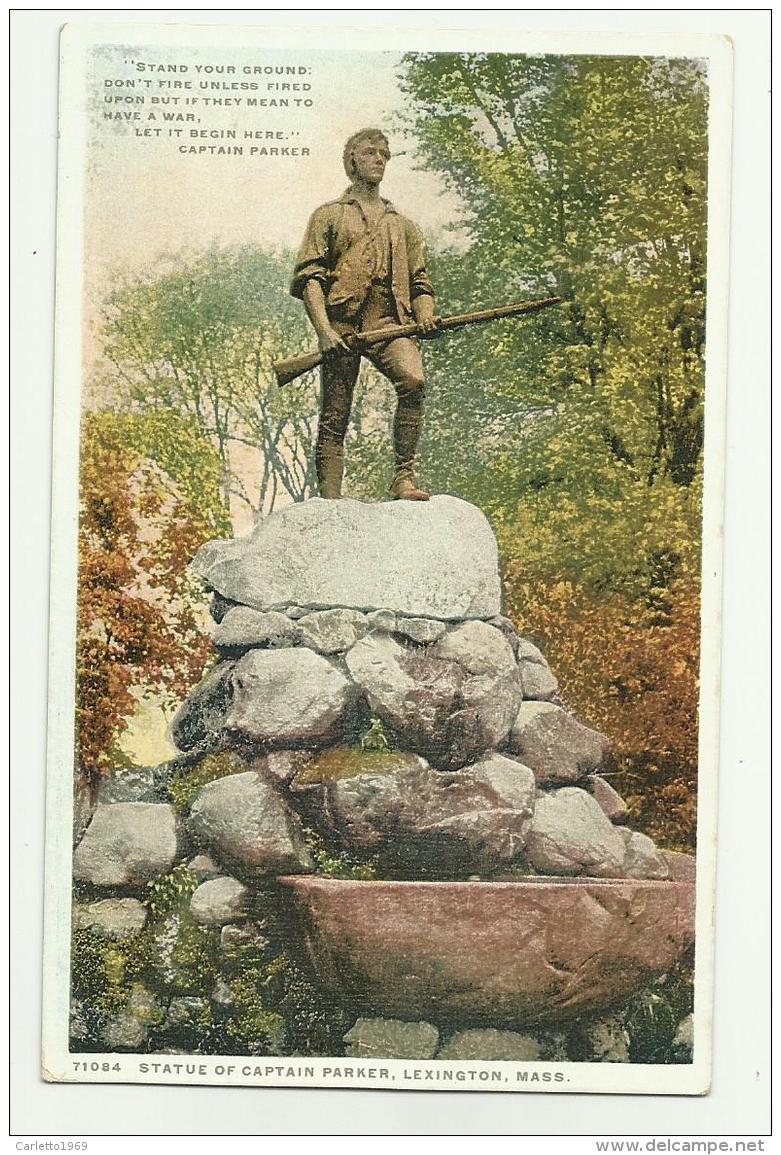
x=534, y=952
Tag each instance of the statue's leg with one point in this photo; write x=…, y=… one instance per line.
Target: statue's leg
x=337, y=382
x=401, y=362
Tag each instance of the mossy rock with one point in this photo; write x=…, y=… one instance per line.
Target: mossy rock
x=348, y=762
x=185, y=786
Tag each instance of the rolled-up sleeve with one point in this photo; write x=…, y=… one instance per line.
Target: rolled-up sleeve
x=313, y=256
x=419, y=280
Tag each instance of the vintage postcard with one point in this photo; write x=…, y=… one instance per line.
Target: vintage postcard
x=386, y=559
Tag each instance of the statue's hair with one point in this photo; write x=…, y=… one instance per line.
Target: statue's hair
x=356, y=139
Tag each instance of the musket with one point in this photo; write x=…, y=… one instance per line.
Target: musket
x=287, y=371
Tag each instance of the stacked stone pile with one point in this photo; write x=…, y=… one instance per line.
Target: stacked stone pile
x=369, y=698
x=335, y=614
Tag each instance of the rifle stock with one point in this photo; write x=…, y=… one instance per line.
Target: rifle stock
x=287, y=371
x=293, y=367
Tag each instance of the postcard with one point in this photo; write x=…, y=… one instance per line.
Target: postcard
x=386, y=555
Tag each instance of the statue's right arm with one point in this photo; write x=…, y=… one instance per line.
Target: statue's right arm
x=328, y=339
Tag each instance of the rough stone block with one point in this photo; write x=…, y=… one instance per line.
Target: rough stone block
x=556, y=746
x=284, y=696
x=489, y=1045
x=243, y=626
x=127, y=844
x=244, y=823
x=433, y=559
x=391, y=1039
x=333, y=631
x=218, y=901
x=477, y=647
x=111, y=918
x=643, y=858
x=609, y=799
x=571, y=835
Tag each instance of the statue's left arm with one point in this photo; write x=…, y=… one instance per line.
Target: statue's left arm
x=421, y=288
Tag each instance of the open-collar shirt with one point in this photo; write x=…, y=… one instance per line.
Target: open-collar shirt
x=348, y=255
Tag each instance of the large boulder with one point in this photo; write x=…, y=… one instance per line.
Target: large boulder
x=245, y=824
x=131, y=784
x=434, y=559
x=424, y=631
x=482, y=722
x=127, y=844
x=609, y=799
x=558, y=748
x=422, y=820
x=683, y=867
x=287, y=696
x=413, y=696
x=432, y=704
x=570, y=834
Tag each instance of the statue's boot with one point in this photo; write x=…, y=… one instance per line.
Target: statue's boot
x=329, y=461
x=407, y=427
x=405, y=488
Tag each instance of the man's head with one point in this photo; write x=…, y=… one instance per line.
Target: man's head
x=366, y=154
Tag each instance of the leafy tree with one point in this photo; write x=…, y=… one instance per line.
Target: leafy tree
x=584, y=177
x=198, y=336
x=138, y=623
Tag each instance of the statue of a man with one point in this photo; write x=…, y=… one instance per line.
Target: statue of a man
x=362, y=265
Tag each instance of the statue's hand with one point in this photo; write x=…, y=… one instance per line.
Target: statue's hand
x=331, y=344
x=429, y=327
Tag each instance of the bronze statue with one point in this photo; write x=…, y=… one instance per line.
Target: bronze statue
x=362, y=265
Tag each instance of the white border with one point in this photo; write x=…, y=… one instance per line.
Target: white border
x=718, y=318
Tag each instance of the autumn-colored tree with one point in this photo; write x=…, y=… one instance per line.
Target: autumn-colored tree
x=631, y=671
x=148, y=500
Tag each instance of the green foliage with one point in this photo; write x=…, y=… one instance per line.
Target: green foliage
x=348, y=761
x=252, y=1028
x=102, y=970
x=185, y=786
x=315, y=1022
x=375, y=737
x=176, y=444
x=171, y=893
x=194, y=1029
x=629, y=668
x=583, y=177
x=198, y=336
x=185, y=955
x=189, y=955
x=337, y=863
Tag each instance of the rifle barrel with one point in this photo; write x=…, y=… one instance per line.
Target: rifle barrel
x=457, y=321
x=293, y=367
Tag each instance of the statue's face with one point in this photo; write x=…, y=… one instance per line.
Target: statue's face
x=369, y=159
